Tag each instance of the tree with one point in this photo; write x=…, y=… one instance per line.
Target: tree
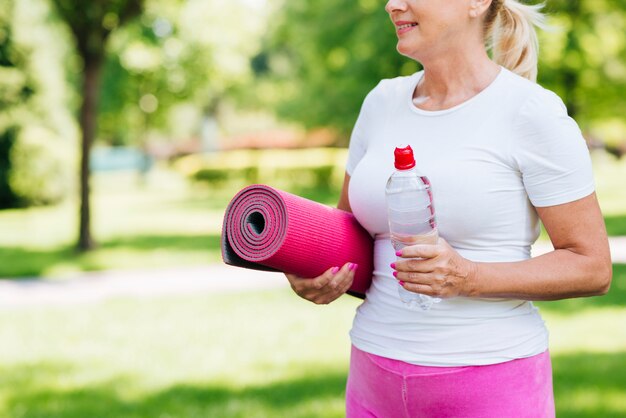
x=91, y=24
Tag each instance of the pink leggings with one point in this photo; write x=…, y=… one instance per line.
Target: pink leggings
x=385, y=388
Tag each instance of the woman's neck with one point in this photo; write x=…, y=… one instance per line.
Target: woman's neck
x=453, y=79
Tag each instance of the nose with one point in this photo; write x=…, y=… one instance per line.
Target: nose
x=395, y=6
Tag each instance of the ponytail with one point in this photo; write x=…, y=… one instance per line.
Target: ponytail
x=510, y=29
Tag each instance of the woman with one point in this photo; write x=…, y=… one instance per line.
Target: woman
x=501, y=154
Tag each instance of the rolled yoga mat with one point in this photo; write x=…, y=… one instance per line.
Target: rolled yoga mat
x=269, y=229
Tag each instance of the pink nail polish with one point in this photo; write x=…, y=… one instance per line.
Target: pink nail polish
x=393, y=265
x=401, y=282
x=334, y=270
x=399, y=253
x=353, y=266
x=395, y=274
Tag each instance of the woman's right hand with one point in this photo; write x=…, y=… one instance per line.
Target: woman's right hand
x=325, y=288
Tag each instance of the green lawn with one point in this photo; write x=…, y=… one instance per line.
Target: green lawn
x=253, y=354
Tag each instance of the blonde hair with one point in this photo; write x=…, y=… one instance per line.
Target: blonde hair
x=511, y=36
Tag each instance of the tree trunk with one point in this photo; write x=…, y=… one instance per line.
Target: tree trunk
x=88, y=119
x=572, y=45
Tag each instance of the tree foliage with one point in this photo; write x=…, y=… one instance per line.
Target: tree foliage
x=584, y=60
x=181, y=57
x=35, y=129
x=14, y=93
x=324, y=57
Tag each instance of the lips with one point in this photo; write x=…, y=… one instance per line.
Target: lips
x=403, y=26
x=404, y=22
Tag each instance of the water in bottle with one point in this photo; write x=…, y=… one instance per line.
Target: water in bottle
x=411, y=215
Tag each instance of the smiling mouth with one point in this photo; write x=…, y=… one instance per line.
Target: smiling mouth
x=408, y=25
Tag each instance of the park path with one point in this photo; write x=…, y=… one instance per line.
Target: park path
x=98, y=286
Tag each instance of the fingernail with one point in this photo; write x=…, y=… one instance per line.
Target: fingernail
x=399, y=253
x=401, y=282
x=334, y=270
x=353, y=266
x=393, y=265
x=395, y=274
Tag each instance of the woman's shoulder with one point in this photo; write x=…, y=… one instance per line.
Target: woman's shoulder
x=539, y=114
x=394, y=87
x=532, y=99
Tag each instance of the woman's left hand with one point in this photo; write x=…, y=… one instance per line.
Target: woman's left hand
x=440, y=271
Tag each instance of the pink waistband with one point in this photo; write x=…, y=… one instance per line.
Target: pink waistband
x=382, y=387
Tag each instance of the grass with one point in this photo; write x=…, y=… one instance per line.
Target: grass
x=164, y=221
x=253, y=354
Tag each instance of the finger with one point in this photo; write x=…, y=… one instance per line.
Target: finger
x=323, y=281
x=419, y=288
x=341, y=275
x=419, y=251
x=292, y=278
x=348, y=283
x=345, y=285
x=419, y=265
x=345, y=276
x=412, y=277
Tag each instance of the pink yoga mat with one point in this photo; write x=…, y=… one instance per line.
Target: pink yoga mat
x=269, y=229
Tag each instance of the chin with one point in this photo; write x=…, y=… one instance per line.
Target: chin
x=409, y=53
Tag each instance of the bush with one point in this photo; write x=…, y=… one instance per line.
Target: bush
x=320, y=168
x=214, y=177
x=40, y=167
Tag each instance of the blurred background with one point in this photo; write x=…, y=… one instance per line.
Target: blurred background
x=125, y=128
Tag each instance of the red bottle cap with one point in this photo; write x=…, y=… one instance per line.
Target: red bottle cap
x=404, y=158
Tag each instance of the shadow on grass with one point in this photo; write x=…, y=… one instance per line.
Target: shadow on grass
x=308, y=396
x=24, y=262
x=589, y=385
x=615, y=225
x=615, y=298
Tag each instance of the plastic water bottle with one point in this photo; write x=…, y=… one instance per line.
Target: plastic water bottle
x=411, y=215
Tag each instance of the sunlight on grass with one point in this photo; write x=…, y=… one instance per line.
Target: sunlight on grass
x=232, y=355
x=591, y=401
x=609, y=174
x=593, y=330
x=594, y=325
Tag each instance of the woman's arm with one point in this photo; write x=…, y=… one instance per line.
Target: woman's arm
x=580, y=264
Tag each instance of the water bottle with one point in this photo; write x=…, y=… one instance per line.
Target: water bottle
x=411, y=215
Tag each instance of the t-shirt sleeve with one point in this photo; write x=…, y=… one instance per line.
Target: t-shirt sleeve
x=551, y=153
x=359, y=136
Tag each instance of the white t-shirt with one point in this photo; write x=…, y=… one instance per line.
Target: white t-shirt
x=490, y=161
